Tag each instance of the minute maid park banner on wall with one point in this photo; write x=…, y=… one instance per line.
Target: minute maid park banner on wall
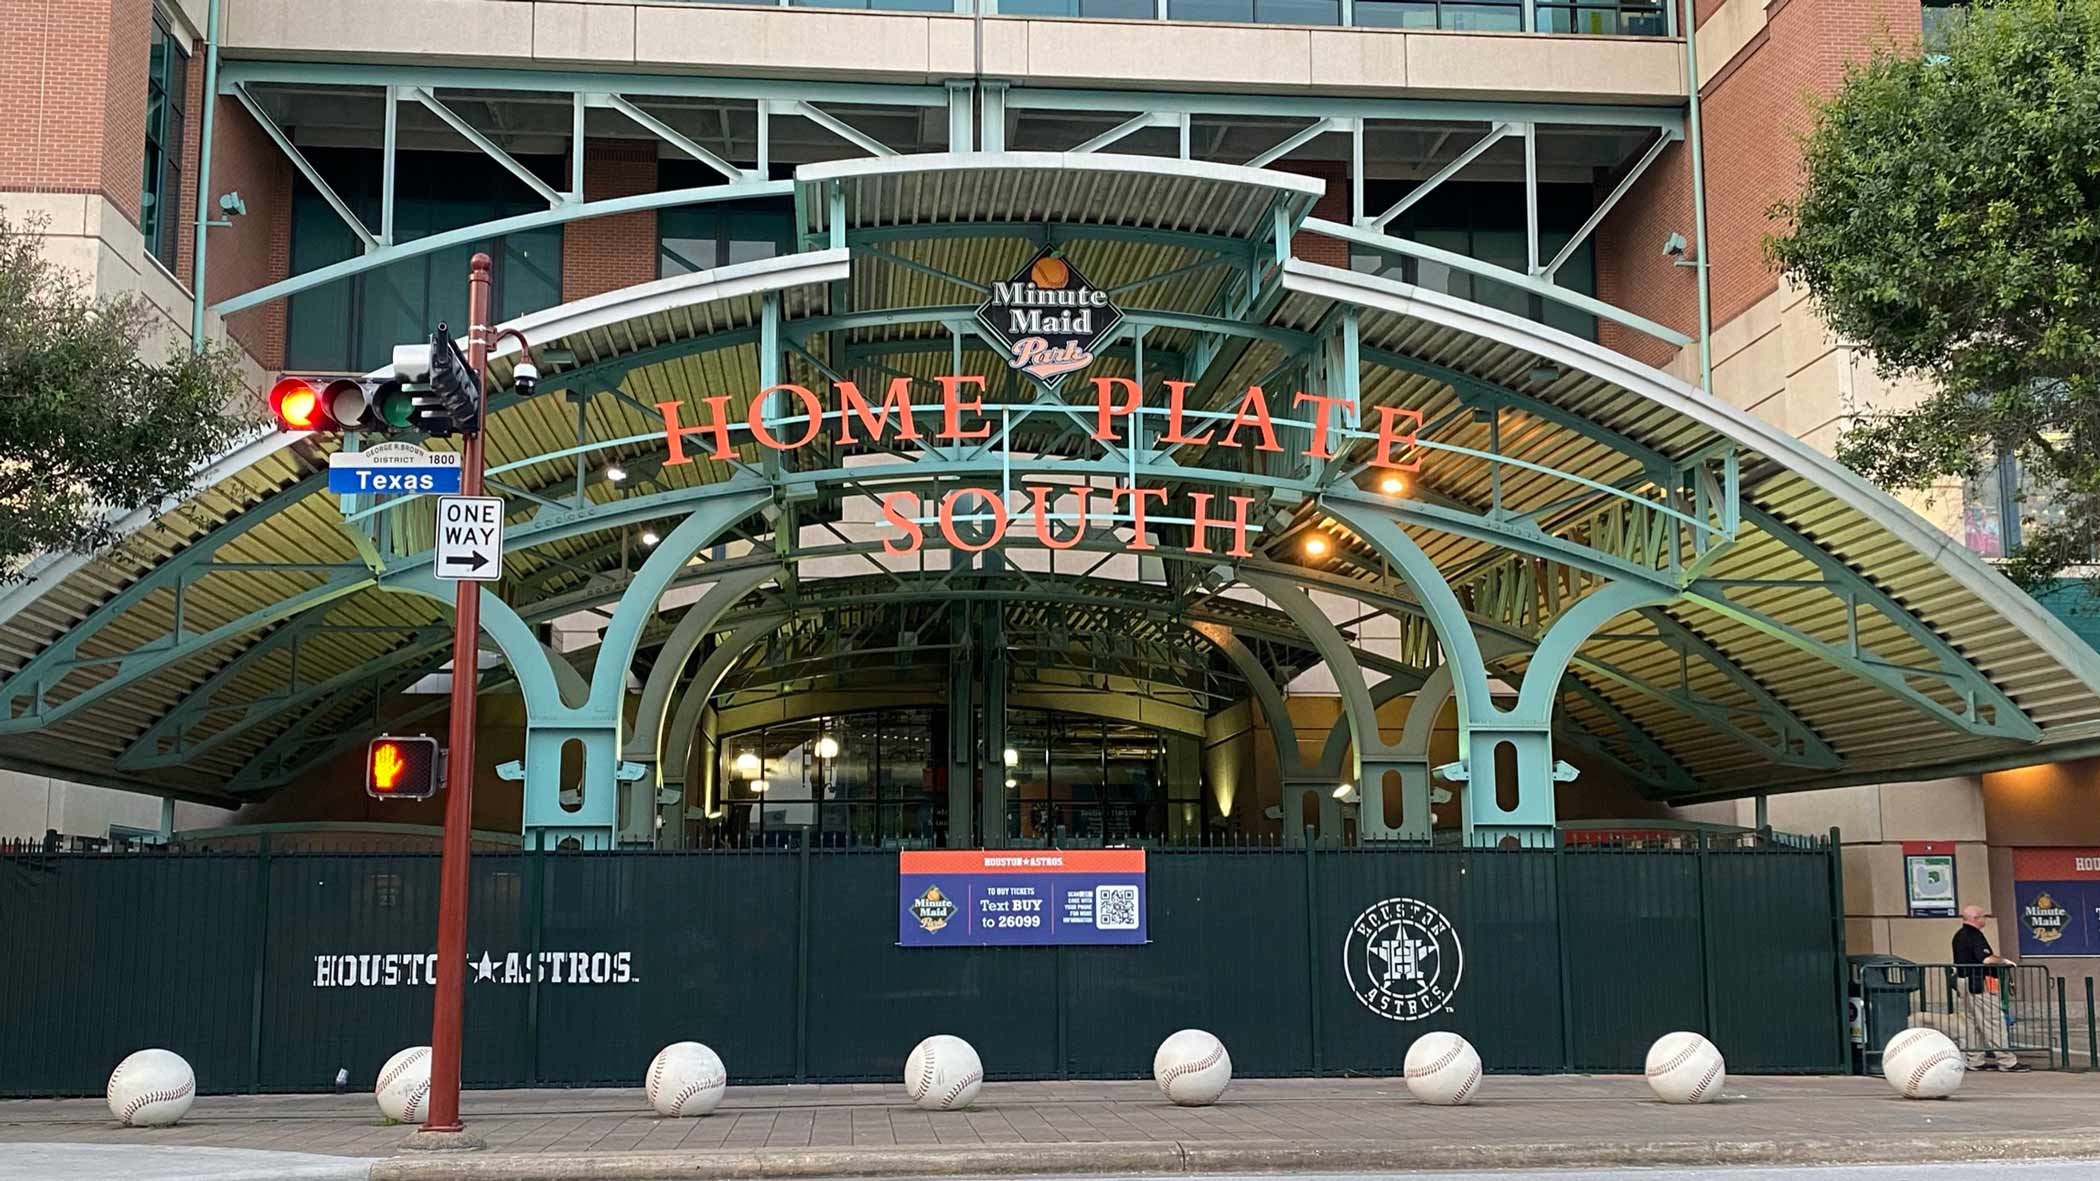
x=2056, y=901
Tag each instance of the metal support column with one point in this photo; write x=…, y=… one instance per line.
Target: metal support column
x=961, y=739
x=991, y=761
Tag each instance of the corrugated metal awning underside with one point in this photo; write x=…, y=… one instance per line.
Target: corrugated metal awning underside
x=1872, y=732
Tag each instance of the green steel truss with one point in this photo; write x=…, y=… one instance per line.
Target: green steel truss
x=1549, y=577
x=1638, y=535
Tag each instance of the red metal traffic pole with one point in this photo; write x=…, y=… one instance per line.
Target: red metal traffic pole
x=446, y=1017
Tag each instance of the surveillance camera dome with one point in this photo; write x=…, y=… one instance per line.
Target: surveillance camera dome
x=526, y=377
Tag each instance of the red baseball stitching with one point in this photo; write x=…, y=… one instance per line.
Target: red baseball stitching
x=1470, y=1083
x=1176, y=1071
x=961, y=1085
x=150, y=1098
x=656, y=1076
x=1456, y=1049
x=694, y=1088
x=1706, y=1082
x=1682, y=1058
x=1903, y=1041
x=402, y=1066
x=1918, y=1075
x=925, y=1061
x=415, y=1101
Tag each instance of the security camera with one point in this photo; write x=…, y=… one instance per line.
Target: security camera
x=526, y=377
x=231, y=204
x=1674, y=246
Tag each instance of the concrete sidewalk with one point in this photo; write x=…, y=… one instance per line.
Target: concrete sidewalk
x=1262, y=1125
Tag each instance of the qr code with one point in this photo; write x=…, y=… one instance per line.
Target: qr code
x=1116, y=908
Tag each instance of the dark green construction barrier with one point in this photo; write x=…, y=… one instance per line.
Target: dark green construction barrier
x=270, y=973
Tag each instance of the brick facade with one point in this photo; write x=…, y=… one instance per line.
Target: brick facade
x=1334, y=206
x=129, y=62
x=257, y=248
x=73, y=88
x=1754, y=108
x=607, y=253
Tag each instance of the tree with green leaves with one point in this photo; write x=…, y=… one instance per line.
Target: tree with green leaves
x=1949, y=224
x=90, y=425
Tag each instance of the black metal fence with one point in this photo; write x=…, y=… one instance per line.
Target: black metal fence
x=2004, y=1009
x=271, y=971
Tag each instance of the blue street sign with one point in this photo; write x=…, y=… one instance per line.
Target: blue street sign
x=395, y=468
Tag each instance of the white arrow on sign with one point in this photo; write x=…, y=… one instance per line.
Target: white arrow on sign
x=469, y=538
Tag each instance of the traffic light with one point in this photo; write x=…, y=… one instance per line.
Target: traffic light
x=454, y=384
x=304, y=404
x=383, y=407
x=432, y=392
x=401, y=768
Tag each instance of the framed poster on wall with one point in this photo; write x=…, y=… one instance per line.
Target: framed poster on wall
x=1928, y=879
x=2056, y=901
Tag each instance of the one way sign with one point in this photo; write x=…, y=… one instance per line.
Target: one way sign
x=470, y=538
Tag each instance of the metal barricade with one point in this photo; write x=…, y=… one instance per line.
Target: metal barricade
x=1984, y=1009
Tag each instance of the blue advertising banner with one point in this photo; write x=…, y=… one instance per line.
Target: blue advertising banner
x=2056, y=901
x=1020, y=897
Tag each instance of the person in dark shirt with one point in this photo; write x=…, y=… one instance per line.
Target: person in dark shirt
x=1976, y=987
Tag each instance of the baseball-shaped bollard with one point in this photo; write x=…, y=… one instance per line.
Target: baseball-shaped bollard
x=1684, y=1067
x=151, y=1089
x=1442, y=1068
x=1923, y=1064
x=943, y=1073
x=685, y=1078
x=1192, y=1068
x=403, y=1089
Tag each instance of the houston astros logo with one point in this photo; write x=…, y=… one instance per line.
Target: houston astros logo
x=1402, y=959
x=933, y=909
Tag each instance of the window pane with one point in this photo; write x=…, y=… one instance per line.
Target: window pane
x=354, y=324
x=1982, y=517
x=1406, y=14
x=1210, y=10
x=681, y=256
x=1437, y=276
x=1498, y=18
x=1298, y=12
x=1578, y=274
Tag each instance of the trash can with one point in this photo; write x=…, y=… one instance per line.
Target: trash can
x=1885, y=984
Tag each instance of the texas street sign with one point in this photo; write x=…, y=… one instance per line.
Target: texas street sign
x=470, y=538
x=394, y=467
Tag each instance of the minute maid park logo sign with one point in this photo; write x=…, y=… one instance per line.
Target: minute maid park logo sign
x=1048, y=318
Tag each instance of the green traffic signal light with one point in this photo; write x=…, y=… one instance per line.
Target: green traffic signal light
x=395, y=405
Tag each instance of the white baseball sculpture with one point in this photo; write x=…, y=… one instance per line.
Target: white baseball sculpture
x=1684, y=1067
x=943, y=1073
x=151, y=1089
x=1192, y=1068
x=685, y=1078
x=403, y=1090
x=1442, y=1068
x=1922, y=1064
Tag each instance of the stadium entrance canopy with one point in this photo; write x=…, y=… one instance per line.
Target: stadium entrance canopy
x=1592, y=564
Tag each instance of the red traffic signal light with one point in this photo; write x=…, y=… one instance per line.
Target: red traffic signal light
x=298, y=405
x=401, y=768
x=342, y=404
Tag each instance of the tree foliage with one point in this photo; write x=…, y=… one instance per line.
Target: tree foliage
x=89, y=424
x=1948, y=225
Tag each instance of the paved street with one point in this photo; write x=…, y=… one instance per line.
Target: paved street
x=1569, y=1119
